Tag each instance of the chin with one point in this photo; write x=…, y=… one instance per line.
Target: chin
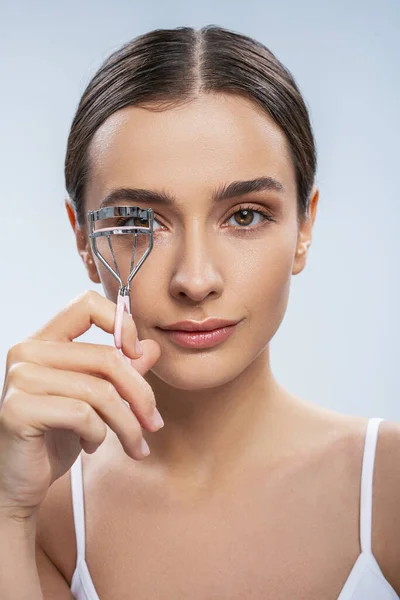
x=197, y=374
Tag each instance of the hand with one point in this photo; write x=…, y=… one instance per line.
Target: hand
x=59, y=395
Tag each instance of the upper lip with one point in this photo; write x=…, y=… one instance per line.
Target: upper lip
x=207, y=325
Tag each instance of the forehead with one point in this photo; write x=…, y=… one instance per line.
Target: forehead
x=188, y=149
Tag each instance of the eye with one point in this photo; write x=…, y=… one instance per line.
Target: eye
x=131, y=221
x=244, y=216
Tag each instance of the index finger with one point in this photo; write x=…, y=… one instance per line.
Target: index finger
x=89, y=308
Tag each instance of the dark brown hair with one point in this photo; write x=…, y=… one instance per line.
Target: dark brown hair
x=169, y=67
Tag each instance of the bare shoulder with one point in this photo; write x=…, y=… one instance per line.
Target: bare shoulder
x=346, y=435
x=385, y=490
x=386, y=502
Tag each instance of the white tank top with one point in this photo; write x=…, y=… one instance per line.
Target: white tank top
x=365, y=581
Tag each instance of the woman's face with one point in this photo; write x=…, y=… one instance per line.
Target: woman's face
x=208, y=259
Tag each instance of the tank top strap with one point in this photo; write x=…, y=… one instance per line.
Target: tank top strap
x=78, y=506
x=367, y=474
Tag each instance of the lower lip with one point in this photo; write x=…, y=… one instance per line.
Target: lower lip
x=200, y=339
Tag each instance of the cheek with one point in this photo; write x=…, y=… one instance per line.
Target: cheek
x=261, y=269
x=109, y=283
x=263, y=283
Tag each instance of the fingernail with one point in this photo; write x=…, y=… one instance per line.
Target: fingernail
x=156, y=419
x=145, y=447
x=139, y=349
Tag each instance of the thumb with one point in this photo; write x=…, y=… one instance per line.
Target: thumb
x=151, y=354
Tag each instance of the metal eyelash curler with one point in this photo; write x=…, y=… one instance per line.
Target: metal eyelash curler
x=122, y=244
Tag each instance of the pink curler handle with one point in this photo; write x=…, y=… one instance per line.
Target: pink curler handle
x=122, y=305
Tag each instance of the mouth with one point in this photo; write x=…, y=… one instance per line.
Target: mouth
x=199, y=339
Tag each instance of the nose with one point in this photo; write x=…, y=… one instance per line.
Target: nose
x=197, y=273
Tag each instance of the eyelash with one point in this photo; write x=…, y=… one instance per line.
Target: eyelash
x=254, y=209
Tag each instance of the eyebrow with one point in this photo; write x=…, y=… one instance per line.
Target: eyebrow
x=224, y=192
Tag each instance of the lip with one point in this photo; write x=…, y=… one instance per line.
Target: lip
x=210, y=324
x=200, y=339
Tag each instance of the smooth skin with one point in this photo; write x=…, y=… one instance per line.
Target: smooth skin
x=205, y=263
x=235, y=443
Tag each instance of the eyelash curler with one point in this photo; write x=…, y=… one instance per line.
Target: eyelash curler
x=143, y=219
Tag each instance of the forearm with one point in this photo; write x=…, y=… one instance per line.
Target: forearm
x=19, y=579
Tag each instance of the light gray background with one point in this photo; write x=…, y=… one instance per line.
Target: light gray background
x=338, y=344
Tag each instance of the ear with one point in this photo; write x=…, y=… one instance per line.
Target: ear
x=304, y=238
x=82, y=243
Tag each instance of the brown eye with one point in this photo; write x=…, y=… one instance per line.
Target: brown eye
x=244, y=217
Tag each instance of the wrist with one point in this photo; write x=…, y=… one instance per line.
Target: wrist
x=17, y=518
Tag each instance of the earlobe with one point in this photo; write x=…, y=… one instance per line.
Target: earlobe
x=305, y=234
x=300, y=258
x=89, y=263
x=91, y=269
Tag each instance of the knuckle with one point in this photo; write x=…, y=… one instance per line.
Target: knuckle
x=114, y=358
x=151, y=404
x=12, y=410
x=145, y=396
x=83, y=410
x=20, y=371
x=108, y=392
x=15, y=372
x=148, y=407
x=16, y=353
x=89, y=298
x=149, y=398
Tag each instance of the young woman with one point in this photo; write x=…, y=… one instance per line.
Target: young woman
x=249, y=492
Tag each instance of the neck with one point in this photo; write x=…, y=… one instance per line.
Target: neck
x=208, y=432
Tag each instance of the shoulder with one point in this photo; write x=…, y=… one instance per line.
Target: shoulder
x=349, y=441
x=386, y=502
x=345, y=448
